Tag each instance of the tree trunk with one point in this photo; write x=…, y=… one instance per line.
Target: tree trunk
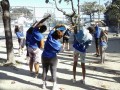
x=7, y=28
x=118, y=28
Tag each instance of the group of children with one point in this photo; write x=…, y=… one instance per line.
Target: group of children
x=46, y=52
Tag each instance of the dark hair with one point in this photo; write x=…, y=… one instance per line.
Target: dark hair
x=57, y=34
x=91, y=29
x=42, y=28
x=16, y=28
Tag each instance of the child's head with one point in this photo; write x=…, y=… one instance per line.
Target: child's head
x=16, y=28
x=42, y=28
x=91, y=29
x=57, y=34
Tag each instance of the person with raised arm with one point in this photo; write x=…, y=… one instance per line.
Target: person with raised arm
x=36, y=45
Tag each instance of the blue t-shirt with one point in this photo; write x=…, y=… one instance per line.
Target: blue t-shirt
x=83, y=40
x=52, y=46
x=36, y=37
x=19, y=34
x=82, y=47
x=28, y=38
x=97, y=32
x=67, y=33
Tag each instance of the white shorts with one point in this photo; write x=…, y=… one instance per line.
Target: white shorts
x=82, y=56
x=35, y=54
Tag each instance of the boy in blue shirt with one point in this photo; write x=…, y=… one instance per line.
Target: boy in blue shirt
x=97, y=39
x=82, y=41
x=36, y=45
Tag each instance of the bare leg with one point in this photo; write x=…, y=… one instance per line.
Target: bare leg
x=103, y=54
x=74, y=66
x=19, y=51
x=63, y=46
x=31, y=65
x=97, y=47
x=68, y=46
x=36, y=65
x=83, y=70
x=97, y=51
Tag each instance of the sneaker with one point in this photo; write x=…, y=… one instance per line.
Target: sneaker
x=55, y=87
x=74, y=80
x=31, y=73
x=83, y=81
x=36, y=75
x=96, y=55
x=44, y=86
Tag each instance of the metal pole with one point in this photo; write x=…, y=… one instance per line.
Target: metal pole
x=78, y=14
x=99, y=12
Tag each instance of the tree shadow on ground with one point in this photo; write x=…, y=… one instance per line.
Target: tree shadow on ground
x=99, y=77
x=117, y=79
x=3, y=52
x=4, y=76
x=77, y=84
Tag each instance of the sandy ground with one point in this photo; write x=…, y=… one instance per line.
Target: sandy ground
x=98, y=76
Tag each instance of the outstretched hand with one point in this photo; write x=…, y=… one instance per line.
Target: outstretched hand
x=43, y=20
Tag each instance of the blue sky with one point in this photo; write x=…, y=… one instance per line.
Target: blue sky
x=41, y=3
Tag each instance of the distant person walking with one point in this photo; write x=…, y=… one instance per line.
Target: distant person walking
x=103, y=44
x=97, y=40
x=36, y=45
x=21, y=39
x=49, y=55
x=82, y=41
x=66, y=38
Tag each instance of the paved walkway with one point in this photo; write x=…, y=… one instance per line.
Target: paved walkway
x=98, y=76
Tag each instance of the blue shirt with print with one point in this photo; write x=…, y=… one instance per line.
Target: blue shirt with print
x=34, y=40
x=52, y=46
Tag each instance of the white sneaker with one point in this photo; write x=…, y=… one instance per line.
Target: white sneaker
x=83, y=81
x=44, y=86
x=55, y=86
x=36, y=75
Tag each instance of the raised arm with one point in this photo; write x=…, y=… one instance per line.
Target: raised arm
x=34, y=24
x=44, y=19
